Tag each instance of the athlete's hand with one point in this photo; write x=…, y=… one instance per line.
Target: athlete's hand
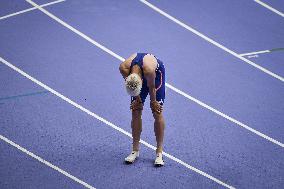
x=156, y=107
x=136, y=104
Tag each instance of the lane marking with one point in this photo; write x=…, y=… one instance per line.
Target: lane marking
x=75, y=30
x=226, y=116
x=23, y=95
x=46, y=162
x=168, y=85
x=253, y=53
x=261, y=52
x=30, y=9
x=211, y=40
x=253, y=56
x=109, y=123
x=269, y=7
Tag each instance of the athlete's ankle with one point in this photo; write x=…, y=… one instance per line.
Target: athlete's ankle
x=159, y=150
x=135, y=148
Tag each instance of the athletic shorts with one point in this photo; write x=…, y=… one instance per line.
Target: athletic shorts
x=159, y=84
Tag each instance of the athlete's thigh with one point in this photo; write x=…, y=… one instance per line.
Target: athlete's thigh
x=160, y=84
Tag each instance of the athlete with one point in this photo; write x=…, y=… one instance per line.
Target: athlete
x=143, y=74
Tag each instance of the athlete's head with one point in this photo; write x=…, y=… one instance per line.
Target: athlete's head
x=133, y=84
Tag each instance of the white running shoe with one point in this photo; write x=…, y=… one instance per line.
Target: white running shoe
x=132, y=157
x=159, y=160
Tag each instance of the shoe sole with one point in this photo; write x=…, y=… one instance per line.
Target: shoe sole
x=128, y=162
x=158, y=165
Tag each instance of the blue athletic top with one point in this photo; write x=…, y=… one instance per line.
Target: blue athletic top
x=138, y=60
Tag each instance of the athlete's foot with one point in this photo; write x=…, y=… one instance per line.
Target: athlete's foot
x=159, y=160
x=132, y=157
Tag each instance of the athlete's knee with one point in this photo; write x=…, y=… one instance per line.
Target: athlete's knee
x=136, y=105
x=136, y=114
x=158, y=116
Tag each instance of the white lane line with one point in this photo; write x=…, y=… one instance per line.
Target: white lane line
x=257, y=52
x=109, y=123
x=269, y=7
x=211, y=40
x=226, y=116
x=30, y=9
x=75, y=30
x=168, y=85
x=46, y=162
x=261, y=52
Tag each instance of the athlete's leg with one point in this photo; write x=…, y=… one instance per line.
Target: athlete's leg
x=159, y=127
x=136, y=125
x=136, y=122
x=159, y=124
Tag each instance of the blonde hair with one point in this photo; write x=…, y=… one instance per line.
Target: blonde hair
x=133, y=84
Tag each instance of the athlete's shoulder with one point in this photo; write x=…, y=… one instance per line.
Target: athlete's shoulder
x=127, y=62
x=129, y=59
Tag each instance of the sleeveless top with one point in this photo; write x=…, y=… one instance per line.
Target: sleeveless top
x=138, y=60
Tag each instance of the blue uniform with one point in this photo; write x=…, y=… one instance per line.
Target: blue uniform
x=159, y=80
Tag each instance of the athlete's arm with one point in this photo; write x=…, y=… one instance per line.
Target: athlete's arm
x=150, y=77
x=155, y=106
x=124, y=67
x=149, y=67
